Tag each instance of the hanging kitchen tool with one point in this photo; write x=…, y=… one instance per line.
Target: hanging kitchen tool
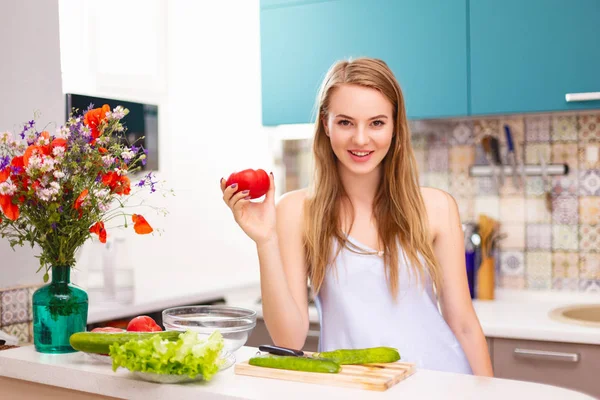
x=512, y=158
x=546, y=184
x=495, y=146
x=486, y=143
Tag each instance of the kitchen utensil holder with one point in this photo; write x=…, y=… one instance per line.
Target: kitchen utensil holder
x=529, y=170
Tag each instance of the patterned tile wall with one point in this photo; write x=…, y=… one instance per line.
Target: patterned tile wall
x=549, y=245
x=16, y=316
x=552, y=245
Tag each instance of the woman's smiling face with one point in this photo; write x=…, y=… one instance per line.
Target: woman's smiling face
x=360, y=126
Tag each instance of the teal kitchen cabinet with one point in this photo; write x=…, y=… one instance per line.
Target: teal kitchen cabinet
x=527, y=55
x=264, y=4
x=423, y=41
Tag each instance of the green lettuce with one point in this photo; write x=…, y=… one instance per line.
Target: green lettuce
x=189, y=355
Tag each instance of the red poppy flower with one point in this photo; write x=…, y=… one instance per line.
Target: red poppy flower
x=18, y=162
x=140, y=225
x=4, y=174
x=58, y=142
x=123, y=185
x=102, y=150
x=119, y=184
x=80, y=199
x=98, y=229
x=94, y=118
x=30, y=152
x=10, y=210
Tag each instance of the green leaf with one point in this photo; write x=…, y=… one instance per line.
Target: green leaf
x=190, y=355
x=46, y=277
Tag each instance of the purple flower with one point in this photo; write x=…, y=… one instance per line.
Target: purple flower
x=4, y=161
x=150, y=182
x=147, y=181
x=60, y=209
x=135, y=149
x=16, y=170
x=144, y=161
x=31, y=123
x=54, y=226
x=25, y=128
x=90, y=107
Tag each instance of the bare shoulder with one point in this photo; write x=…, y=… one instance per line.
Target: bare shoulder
x=291, y=205
x=437, y=199
x=440, y=205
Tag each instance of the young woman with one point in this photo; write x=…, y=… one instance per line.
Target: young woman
x=379, y=251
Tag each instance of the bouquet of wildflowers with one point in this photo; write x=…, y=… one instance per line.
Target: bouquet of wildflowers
x=56, y=190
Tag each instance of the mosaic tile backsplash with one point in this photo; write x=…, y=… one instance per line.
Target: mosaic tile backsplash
x=546, y=248
x=16, y=316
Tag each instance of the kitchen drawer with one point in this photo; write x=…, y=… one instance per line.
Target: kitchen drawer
x=260, y=335
x=572, y=366
x=490, y=342
x=312, y=339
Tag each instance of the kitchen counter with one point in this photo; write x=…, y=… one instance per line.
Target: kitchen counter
x=158, y=301
x=526, y=315
x=514, y=314
x=76, y=373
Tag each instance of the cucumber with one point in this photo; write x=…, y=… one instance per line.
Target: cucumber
x=99, y=342
x=296, y=363
x=372, y=355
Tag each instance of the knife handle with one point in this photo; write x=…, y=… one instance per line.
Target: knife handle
x=509, y=139
x=280, y=351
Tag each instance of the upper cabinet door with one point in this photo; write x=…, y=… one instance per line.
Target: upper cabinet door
x=423, y=42
x=527, y=55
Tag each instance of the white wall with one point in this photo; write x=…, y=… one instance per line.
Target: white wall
x=30, y=81
x=202, y=67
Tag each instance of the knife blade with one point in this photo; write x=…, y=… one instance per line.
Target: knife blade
x=280, y=351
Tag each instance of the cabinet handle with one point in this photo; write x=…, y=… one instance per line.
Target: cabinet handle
x=312, y=333
x=547, y=355
x=589, y=96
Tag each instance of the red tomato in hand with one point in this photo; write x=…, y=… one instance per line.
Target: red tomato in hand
x=143, y=323
x=108, y=329
x=256, y=181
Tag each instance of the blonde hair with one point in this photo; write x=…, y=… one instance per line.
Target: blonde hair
x=398, y=205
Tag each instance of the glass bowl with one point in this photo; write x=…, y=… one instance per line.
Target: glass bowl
x=234, y=323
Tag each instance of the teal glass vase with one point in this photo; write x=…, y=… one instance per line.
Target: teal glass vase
x=59, y=310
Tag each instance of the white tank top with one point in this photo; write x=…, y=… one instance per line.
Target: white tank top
x=356, y=310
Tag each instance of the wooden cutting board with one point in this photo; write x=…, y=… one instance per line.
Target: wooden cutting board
x=370, y=376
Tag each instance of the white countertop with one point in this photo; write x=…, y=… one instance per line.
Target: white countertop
x=525, y=315
x=156, y=301
x=513, y=314
x=77, y=371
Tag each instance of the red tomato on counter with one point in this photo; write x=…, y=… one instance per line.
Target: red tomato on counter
x=108, y=329
x=143, y=323
x=256, y=181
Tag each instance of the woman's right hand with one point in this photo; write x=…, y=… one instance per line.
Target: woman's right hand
x=257, y=219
